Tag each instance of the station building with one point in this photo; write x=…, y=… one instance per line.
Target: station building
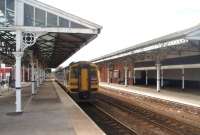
x=37, y=36
x=171, y=61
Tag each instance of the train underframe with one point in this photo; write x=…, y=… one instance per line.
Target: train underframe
x=83, y=96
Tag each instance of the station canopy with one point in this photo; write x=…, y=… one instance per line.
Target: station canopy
x=178, y=44
x=58, y=34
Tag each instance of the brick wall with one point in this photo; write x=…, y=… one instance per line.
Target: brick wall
x=117, y=67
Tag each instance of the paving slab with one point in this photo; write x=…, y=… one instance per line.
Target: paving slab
x=45, y=114
x=188, y=97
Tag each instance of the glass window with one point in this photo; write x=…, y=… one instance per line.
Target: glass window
x=10, y=12
x=74, y=72
x=28, y=15
x=76, y=25
x=6, y=12
x=10, y=17
x=10, y=4
x=2, y=12
x=63, y=22
x=51, y=20
x=40, y=17
x=93, y=74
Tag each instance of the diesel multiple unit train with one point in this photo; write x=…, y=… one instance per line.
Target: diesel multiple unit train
x=80, y=79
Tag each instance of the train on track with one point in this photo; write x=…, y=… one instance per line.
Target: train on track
x=80, y=79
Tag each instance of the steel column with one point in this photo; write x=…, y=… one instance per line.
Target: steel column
x=18, y=55
x=37, y=74
x=44, y=75
x=40, y=75
x=126, y=76
x=23, y=73
x=158, y=76
x=33, y=77
x=134, y=78
x=183, y=78
x=108, y=75
x=28, y=73
x=162, y=77
x=146, y=77
x=64, y=77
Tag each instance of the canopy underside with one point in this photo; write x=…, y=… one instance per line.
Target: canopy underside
x=51, y=49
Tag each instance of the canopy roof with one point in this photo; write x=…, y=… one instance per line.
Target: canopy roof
x=58, y=34
x=187, y=40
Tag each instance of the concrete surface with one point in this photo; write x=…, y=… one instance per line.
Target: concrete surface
x=45, y=114
x=188, y=97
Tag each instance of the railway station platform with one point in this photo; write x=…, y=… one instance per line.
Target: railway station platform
x=187, y=97
x=51, y=111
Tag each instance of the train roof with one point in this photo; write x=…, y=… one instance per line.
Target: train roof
x=82, y=63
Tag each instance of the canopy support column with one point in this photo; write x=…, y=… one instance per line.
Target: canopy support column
x=28, y=73
x=183, y=78
x=23, y=73
x=108, y=75
x=158, y=65
x=44, y=75
x=64, y=77
x=37, y=74
x=40, y=75
x=162, y=77
x=134, y=77
x=146, y=77
x=18, y=56
x=126, y=76
x=32, y=77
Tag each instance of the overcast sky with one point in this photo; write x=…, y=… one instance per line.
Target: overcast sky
x=128, y=22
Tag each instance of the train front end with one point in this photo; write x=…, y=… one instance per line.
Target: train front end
x=83, y=81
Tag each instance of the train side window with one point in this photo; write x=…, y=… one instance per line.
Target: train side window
x=93, y=73
x=74, y=73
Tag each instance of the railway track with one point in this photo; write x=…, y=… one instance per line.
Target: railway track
x=117, y=117
x=105, y=121
x=144, y=119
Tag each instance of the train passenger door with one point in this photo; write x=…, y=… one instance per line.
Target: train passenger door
x=93, y=78
x=84, y=79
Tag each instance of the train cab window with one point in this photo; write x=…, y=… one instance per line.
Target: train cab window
x=67, y=75
x=93, y=74
x=74, y=73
